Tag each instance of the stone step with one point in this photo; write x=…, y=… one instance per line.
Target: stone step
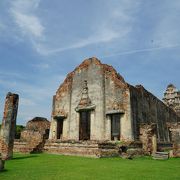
x=160, y=155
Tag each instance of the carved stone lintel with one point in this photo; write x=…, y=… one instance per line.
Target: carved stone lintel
x=60, y=114
x=85, y=101
x=87, y=108
x=114, y=112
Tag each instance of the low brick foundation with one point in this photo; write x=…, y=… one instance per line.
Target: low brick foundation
x=82, y=148
x=95, y=149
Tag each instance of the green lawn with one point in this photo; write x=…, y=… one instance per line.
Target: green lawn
x=46, y=166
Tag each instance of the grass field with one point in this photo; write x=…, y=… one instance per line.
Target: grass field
x=48, y=167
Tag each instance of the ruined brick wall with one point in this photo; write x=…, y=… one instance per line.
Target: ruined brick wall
x=39, y=124
x=35, y=133
x=9, y=125
x=146, y=108
x=148, y=138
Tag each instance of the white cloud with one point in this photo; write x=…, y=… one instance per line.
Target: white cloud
x=142, y=50
x=113, y=25
x=105, y=36
x=23, y=14
x=29, y=24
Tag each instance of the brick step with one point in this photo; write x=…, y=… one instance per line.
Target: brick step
x=81, y=149
x=26, y=147
x=160, y=155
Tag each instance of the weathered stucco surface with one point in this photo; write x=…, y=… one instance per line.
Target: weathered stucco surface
x=109, y=94
x=99, y=89
x=8, y=125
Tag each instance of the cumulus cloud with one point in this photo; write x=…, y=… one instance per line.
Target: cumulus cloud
x=23, y=13
x=113, y=23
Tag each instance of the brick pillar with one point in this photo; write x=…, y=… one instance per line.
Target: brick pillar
x=148, y=138
x=9, y=125
x=174, y=129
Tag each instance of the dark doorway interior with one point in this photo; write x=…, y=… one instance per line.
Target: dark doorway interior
x=84, y=125
x=46, y=133
x=59, y=128
x=115, y=127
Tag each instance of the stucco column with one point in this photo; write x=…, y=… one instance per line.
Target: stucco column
x=126, y=128
x=77, y=126
x=108, y=127
x=92, y=124
x=53, y=130
x=154, y=143
x=65, y=134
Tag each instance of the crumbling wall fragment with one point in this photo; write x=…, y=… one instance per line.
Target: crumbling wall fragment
x=148, y=138
x=33, y=136
x=174, y=129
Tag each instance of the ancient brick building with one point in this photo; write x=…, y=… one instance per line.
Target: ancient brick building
x=95, y=103
x=172, y=98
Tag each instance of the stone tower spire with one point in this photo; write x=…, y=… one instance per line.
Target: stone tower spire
x=172, y=98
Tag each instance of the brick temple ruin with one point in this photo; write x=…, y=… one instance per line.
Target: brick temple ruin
x=95, y=104
x=95, y=112
x=8, y=126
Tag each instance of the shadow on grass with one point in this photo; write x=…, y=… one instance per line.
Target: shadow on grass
x=24, y=157
x=3, y=171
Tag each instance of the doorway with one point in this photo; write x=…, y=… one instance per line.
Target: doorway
x=115, y=127
x=59, y=128
x=84, y=125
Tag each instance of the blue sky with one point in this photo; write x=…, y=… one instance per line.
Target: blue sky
x=41, y=41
